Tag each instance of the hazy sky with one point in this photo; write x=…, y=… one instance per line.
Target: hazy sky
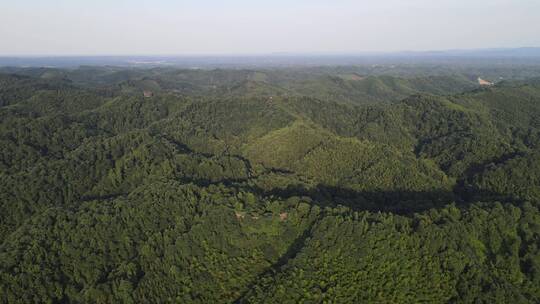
x=76, y=27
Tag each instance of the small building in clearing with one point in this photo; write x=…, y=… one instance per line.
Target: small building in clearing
x=483, y=82
x=148, y=94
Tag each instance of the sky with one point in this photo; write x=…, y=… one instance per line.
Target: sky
x=242, y=27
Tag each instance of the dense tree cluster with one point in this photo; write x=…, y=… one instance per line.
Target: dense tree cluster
x=234, y=186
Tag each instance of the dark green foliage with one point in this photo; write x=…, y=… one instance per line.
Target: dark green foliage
x=335, y=185
x=517, y=177
x=163, y=242
x=481, y=254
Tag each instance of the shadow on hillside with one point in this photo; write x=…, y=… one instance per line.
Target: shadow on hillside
x=402, y=202
x=397, y=201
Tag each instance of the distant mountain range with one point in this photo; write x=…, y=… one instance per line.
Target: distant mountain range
x=493, y=52
x=526, y=55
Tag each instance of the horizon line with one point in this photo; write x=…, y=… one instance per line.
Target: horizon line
x=270, y=54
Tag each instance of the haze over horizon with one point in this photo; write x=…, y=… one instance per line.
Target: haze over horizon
x=209, y=27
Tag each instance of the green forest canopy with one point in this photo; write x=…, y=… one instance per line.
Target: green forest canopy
x=268, y=186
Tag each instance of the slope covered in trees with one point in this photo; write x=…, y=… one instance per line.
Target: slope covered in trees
x=267, y=187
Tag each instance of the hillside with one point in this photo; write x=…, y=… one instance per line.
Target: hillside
x=241, y=186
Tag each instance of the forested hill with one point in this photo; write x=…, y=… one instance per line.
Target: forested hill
x=360, y=85
x=232, y=186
